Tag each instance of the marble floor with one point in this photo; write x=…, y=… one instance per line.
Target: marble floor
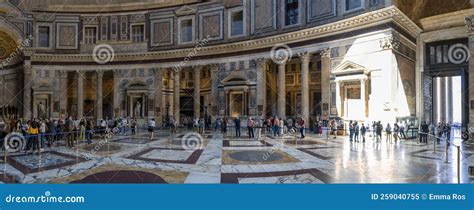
x=187, y=157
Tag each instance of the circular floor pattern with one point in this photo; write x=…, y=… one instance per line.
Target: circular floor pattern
x=256, y=156
x=122, y=177
x=101, y=148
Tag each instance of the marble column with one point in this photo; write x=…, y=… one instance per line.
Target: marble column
x=176, y=106
x=449, y=99
x=80, y=94
x=100, y=76
x=117, y=100
x=338, y=98
x=214, y=90
x=305, y=58
x=63, y=94
x=261, y=86
x=325, y=82
x=363, y=96
x=197, y=91
x=27, y=89
x=470, y=99
x=436, y=110
x=281, y=92
x=442, y=99
x=159, y=109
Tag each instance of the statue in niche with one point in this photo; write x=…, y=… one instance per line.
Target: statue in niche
x=138, y=109
x=41, y=110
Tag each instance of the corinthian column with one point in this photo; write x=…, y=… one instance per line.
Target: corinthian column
x=176, y=106
x=325, y=85
x=214, y=91
x=158, y=73
x=261, y=86
x=27, y=89
x=305, y=58
x=197, y=91
x=468, y=100
x=80, y=94
x=281, y=93
x=100, y=76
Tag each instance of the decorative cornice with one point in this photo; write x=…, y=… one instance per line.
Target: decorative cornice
x=385, y=15
x=389, y=42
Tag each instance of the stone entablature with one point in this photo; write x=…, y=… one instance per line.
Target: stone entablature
x=382, y=16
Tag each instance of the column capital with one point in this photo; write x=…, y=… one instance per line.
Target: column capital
x=326, y=53
x=80, y=72
x=197, y=67
x=260, y=61
x=305, y=56
x=214, y=67
x=468, y=20
x=99, y=73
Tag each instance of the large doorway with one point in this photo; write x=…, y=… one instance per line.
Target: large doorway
x=447, y=102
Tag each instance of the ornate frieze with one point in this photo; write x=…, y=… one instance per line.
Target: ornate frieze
x=389, y=14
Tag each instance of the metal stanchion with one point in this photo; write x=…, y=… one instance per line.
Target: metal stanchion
x=434, y=145
x=446, y=161
x=459, y=164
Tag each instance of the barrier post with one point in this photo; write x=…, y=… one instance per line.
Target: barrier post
x=446, y=161
x=459, y=164
x=434, y=145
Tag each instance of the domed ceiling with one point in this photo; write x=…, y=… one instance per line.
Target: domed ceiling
x=105, y=5
x=7, y=45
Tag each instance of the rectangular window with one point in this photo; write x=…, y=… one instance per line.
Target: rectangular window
x=291, y=12
x=138, y=33
x=353, y=4
x=90, y=35
x=43, y=36
x=186, y=30
x=237, y=21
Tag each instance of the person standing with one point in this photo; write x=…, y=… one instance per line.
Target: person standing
x=356, y=131
x=250, y=127
x=448, y=133
x=301, y=124
x=224, y=127
x=351, y=131
x=89, y=131
x=334, y=128
x=276, y=126
x=379, y=129
x=237, y=127
x=42, y=133
x=363, y=129
x=151, y=127
x=396, y=129
x=34, y=136
x=388, y=133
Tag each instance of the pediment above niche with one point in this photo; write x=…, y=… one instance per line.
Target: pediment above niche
x=349, y=67
x=186, y=10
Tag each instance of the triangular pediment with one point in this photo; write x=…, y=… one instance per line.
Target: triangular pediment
x=349, y=67
x=186, y=10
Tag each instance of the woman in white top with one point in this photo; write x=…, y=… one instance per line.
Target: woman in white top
x=151, y=127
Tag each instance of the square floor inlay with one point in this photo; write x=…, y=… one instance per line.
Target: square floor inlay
x=31, y=163
x=245, y=143
x=167, y=155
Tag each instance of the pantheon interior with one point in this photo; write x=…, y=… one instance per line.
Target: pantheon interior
x=361, y=60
